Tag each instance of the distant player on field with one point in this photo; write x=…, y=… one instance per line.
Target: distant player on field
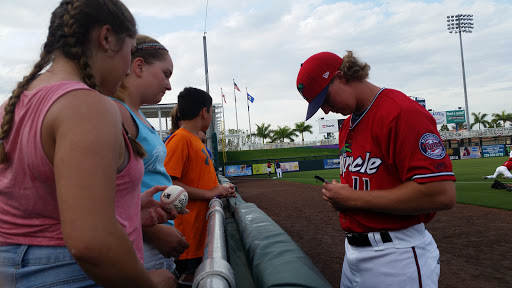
x=395, y=174
x=504, y=169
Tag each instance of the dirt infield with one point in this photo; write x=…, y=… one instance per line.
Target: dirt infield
x=475, y=242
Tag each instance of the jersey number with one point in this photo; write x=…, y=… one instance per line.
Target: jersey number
x=355, y=183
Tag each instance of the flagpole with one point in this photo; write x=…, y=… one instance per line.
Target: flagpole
x=223, y=127
x=248, y=112
x=236, y=113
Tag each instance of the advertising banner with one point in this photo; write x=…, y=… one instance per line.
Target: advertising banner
x=455, y=116
x=289, y=166
x=454, y=153
x=493, y=151
x=331, y=163
x=238, y=170
x=262, y=168
x=470, y=152
x=328, y=126
x=439, y=116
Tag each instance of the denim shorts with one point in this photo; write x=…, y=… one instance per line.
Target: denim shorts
x=153, y=260
x=40, y=266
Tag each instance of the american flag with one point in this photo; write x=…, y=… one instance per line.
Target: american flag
x=236, y=86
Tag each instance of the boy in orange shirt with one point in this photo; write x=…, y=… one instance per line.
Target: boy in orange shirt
x=190, y=167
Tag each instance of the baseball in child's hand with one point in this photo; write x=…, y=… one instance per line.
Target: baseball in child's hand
x=174, y=198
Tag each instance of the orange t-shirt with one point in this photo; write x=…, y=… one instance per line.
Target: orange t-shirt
x=188, y=160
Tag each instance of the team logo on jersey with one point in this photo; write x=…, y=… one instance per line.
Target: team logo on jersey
x=345, y=149
x=432, y=146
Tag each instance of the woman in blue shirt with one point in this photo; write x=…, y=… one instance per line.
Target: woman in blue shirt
x=147, y=82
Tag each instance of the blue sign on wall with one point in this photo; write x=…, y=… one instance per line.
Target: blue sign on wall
x=493, y=150
x=331, y=163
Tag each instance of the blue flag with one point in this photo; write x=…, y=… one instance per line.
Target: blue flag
x=250, y=98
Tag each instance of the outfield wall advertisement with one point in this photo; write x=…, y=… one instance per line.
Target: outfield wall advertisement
x=493, y=151
x=262, y=168
x=238, y=170
x=470, y=152
x=289, y=166
x=331, y=163
x=454, y=153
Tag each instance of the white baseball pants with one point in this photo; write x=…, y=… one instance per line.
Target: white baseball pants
x=500, y=170
x=411, y=260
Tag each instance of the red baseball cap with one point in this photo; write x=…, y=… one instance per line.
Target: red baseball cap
x=314, y=77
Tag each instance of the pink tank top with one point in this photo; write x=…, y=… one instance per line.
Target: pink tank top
x=29, y=212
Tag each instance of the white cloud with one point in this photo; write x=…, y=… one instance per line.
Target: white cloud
x=261, y=44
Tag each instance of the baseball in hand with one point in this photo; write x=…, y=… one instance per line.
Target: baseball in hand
x=174, y=197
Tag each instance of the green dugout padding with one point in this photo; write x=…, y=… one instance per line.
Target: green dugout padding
x=274, y=259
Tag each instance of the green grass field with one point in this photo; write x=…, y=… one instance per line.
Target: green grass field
x=471, y=189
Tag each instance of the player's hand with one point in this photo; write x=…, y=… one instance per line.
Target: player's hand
x=151, y=211
x=335, y=194
x=231, y=189
x=163, y=278
x=219, y=191
x=167, y=240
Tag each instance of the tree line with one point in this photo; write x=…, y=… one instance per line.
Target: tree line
x=280, y=134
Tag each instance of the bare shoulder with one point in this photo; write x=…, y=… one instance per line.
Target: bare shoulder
x=85, y=115
x=92, y=105
x=127, y=118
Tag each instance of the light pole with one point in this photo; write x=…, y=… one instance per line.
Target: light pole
x=461, y=23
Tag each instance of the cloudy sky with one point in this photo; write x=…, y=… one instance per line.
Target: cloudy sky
x=260, y=44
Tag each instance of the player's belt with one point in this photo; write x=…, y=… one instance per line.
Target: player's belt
x=362, y=240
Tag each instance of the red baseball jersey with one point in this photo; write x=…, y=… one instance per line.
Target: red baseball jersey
x=508, y=164
x=395, y=140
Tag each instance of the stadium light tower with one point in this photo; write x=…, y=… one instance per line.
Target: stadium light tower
x=461, y=23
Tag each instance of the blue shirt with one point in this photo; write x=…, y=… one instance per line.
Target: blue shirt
x=154, y=170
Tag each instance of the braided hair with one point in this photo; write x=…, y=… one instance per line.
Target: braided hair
x=70, y=27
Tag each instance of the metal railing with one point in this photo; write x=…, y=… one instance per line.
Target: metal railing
x=215, y=271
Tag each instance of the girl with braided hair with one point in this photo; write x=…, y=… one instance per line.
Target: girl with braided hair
x=70, y=202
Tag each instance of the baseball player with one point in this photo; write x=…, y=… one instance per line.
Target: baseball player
x=502, y=170
x=269, y=168
x=395, y=174
x=278, y=169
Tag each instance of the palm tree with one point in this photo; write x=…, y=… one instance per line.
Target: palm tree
x=494, y=123
x=263, y=131
x=479, y=118
x=302, y=127
x=504, y=117
x=459, y=126
x=282, y=133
